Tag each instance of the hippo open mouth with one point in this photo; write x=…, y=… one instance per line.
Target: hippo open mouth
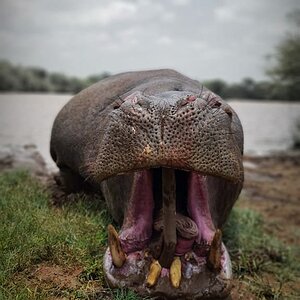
x=166, y=154
x=168, y=244
x=186, y=176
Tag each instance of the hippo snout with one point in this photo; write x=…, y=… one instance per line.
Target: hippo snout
x=187, y=130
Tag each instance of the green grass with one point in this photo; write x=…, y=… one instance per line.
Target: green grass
x=255, y=254
x=32, y=233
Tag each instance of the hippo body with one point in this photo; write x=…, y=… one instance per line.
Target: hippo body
x=166, y=153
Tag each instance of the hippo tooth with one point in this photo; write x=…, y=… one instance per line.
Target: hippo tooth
x=215, y=251
x=117, y=253
x=175, y=272
x=154, y=273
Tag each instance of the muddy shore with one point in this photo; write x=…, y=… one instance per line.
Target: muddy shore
x=272, y=187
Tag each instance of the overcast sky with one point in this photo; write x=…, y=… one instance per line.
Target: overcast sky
x=204, y=39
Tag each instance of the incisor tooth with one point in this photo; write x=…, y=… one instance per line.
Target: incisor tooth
x=117, y=253
x=215, y=252
x=154, y=273
x=175, y=272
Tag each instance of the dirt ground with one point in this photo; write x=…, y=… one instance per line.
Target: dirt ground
x=272, y=188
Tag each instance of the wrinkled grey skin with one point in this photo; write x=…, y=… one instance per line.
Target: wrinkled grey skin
x=142, y=120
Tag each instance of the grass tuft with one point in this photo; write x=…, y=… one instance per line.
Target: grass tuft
x=123, y=294
x=255, y=254
x=35, y=235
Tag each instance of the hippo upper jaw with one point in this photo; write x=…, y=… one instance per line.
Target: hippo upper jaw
x=198, y=133
x=199, y=140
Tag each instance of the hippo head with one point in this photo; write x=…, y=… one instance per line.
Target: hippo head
x=180, y=154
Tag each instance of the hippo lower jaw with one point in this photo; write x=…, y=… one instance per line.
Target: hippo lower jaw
x=168, y=245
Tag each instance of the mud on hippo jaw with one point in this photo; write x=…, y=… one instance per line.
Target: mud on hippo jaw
x=167, y=156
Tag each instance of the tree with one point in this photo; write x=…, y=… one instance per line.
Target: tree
x=286, y=72
x=218, y=86
x=95, y=78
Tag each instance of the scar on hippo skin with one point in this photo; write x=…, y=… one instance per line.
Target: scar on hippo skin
x=166, y=154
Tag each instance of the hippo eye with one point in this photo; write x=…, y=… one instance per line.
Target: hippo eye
x=117, y=103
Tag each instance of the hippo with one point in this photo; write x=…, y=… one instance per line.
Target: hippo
x=166, y=155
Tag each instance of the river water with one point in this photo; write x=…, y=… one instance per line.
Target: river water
x=28, y=118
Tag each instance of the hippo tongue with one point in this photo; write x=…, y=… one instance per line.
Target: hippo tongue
x=183, y=246
x=187, y=232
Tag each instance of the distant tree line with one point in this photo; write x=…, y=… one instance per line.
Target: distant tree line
x=33, y=79
x=248, y=89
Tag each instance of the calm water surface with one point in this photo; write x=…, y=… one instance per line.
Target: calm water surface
x=28, y=118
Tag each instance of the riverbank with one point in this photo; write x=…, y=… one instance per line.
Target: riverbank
x=272, y=189
x=56, y=252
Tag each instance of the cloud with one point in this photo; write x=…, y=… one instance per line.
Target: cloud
x=204, y=39
x=181, y=2
x=114, y=11
x=164, y=40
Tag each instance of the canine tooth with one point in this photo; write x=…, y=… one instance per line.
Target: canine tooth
x=215, y=251
x=117, y=253
x=175, y=272
x=154, y=273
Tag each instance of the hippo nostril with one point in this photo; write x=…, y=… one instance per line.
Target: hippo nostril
x=133, y=99
x=188, y=99
x=216, y=103
x=191, y=98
